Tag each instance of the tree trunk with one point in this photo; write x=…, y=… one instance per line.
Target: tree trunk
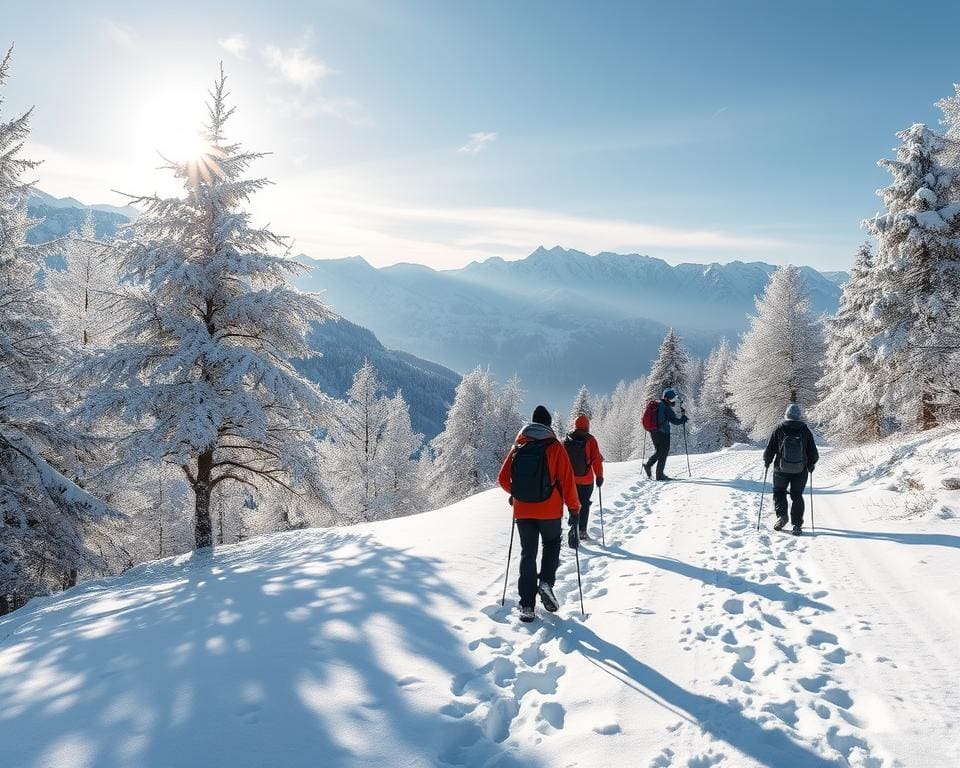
x=928, y=411
x=203, y=524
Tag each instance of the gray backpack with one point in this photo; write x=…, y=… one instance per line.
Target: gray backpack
x=793, y=454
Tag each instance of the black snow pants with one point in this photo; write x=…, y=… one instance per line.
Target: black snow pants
x=661, y=442
x=584, y=492
x=795, y=482
x=531, y=530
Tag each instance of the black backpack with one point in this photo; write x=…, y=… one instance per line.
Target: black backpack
x=577, y=451
x=529, y=474
x=793, y=454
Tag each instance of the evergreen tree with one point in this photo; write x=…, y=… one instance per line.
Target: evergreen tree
x=619, y=432
x=717, y=426
x=42, y=511
x=560, y=427
x=86, y=291
x=463, y=460
x=403, y=490
x=581, y=405
x=355, y=465
x=779, y=360
x=670, y=369
x=917, y=271
x=505, y=421
x=202, y=374
x=852, y=406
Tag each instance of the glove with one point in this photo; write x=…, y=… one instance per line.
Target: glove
x=510, y=501
x=766, y=464
x=811, y=467
x=600, y=481
x=573, y=538
x=684, y=419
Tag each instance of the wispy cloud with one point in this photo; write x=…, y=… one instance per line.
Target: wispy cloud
x=295, y=65
x=235, y=45
x=119, y=33
x=477, y=142
x=719, y=112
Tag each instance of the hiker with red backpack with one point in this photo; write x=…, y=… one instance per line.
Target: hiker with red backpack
x=538, y=476
x=657, y=418
x=587, y=463
x=793, y=448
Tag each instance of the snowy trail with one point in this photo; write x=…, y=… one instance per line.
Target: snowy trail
x=721, y=645
x=706, y=643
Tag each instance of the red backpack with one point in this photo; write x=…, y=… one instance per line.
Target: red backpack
x=650, y=414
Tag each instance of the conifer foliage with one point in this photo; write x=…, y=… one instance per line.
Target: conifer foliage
x=779, y=360
x=916, y=271
x=717, y=425
x=42, y=511
x=203, y=375
x=670, y=369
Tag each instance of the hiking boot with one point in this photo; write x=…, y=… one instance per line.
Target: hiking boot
x=781, y=521
x=527, y=613
x=646, y=469
x=584, y=536
x=664, y=479
x=547, y=597
x=797, y=530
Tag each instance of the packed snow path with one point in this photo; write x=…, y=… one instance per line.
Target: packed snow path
x=706, y=643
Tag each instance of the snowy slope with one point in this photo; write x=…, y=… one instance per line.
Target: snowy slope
x=706, y=643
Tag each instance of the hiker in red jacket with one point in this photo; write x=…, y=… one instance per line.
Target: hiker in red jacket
x=538, y=476
x=587, y=463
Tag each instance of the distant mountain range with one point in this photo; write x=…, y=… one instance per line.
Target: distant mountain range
x=559, y=318
x=59, y=216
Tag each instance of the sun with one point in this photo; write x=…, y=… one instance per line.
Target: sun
x=169, y=122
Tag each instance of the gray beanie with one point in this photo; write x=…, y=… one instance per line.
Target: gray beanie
x=793, y=412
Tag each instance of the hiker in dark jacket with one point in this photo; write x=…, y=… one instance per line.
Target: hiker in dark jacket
x=544, y=518
x=793, y=449
x=661, y=435
x=587, y=462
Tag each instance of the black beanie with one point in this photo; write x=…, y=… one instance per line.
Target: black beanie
x=542, y=416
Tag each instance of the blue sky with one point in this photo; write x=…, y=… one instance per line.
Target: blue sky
x=443, y=132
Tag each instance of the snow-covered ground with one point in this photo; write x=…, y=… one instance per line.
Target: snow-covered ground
x=706, y=643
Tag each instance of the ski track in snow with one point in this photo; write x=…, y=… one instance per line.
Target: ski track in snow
x=758, y=622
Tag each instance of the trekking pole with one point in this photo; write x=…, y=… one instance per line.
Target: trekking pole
x=689, y=473
x=812, y=526
x=506, y=576
x=763, y=492
x=580, y=583
x=603, y=538
x=643, y=450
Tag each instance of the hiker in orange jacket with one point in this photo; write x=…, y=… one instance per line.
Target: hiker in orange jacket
x=587, y=463
x=538, y=476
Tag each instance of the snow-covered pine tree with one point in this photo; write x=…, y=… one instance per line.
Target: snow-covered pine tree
x=717, y=426
x=505, y=421
x=86, y=290
x=202, y=373
x=403, y=484
x=355, y=438
x=696, y=369
x=619, y=431
x=581, y=405
x=670, y=369
x=780, y=358
x=852, y=391
x=560, y=426
x=463, y=462
x=917, y=267
x=42, y=512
